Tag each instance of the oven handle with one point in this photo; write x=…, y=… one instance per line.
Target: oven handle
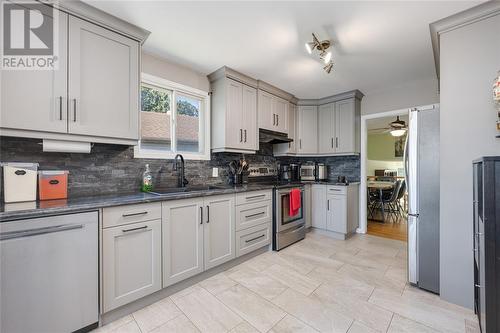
x=299, y=228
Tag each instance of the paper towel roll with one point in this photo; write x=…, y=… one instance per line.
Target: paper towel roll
x=66, y=146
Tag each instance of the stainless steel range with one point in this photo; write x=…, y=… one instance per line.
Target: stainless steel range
x=286, y=229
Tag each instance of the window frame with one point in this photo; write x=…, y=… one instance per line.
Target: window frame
x=204, y=121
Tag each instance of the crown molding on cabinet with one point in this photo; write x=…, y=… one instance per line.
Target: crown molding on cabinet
x=274, y=90
x=99, y=17
x=225, y=71
x=466, y=17
x=330, y=99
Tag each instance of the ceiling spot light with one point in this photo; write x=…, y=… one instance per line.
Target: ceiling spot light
x=322, y=47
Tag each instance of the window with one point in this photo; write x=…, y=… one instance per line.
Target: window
x=174, y=119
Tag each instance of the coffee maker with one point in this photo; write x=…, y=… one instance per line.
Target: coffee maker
x=289, y=172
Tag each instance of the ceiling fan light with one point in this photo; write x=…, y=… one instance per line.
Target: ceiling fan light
x=398, y=132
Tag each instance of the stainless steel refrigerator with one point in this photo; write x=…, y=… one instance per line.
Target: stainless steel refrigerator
x=422, y=177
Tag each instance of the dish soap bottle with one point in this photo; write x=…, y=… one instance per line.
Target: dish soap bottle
x=147, y=180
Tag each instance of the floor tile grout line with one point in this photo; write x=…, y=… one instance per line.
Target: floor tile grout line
x=390, y=323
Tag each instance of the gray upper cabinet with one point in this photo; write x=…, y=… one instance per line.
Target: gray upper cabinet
x=347, y=126
x=273, y=112
x=234, y=112
x=35, y=100
x=289, y=148
x=307, y=136
x=326, y=128
x=92, y=96
x=103, y=82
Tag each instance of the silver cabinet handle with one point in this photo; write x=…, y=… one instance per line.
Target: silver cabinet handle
x=300, y=143
x=135, y=229
x=74, y=110
x=254, y=239
x=332, y=142
x=201, y=215
x=245, y=135
x=328, y=204
x=336, y=142
x=274, y=119
x=336, y=190
x=134, y=214
x=60, y=108
x=253, y=215
x=38, y=231
x=241, y=135
x=277, y=120
x=208, y=214
x=256, y=196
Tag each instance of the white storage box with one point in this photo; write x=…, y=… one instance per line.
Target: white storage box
x=19, y=181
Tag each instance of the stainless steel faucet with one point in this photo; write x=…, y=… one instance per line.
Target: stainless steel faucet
x=181, y=180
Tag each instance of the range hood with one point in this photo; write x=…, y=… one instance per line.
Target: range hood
x=268, y=136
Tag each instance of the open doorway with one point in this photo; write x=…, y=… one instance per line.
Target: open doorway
x=386, y=185
x=383, y=192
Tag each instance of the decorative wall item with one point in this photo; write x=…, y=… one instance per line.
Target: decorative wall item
x=399, y=146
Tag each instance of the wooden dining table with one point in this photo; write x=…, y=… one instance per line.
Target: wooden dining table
x=380, y=186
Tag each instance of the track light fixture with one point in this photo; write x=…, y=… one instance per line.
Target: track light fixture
x=322, y=47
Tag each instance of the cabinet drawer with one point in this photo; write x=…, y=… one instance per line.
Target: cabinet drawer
x=252, y=239
x=333, y=189
x=253, y=214
x=253, y=196
x=115, y=216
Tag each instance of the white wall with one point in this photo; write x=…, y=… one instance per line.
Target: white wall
x=410, y=94
x=174, y=72
x=470, y=59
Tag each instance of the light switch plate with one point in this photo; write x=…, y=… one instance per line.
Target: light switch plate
x=215, y=172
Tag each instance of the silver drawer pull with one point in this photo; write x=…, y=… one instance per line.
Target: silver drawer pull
x=335, y=189
x=134, y=214
x=256, y=196
x=256, y=214
x=38, y=231
x=135, y=229
x=255, y=238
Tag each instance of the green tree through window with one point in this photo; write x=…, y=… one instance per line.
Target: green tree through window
x=154, y=100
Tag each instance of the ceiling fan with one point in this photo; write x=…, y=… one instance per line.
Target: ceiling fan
x=396, y=128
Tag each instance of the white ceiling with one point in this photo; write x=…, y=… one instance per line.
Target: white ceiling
x=377, y=44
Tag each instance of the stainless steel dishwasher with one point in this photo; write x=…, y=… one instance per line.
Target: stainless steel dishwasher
x=49, y=274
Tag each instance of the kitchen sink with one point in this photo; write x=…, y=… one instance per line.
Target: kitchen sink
x=173, y=190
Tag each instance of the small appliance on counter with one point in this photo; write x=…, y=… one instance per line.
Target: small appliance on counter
x=52, y=184
x=320, y=172
x=307, y=171
x=289, y=173
x=19, y=181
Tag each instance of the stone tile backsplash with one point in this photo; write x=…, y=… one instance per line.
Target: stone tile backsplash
x=112, y=169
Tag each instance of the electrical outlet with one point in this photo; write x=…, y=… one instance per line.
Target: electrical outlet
x=215, y=172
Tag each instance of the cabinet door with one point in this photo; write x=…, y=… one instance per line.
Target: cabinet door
x=292, y=130
x=318, y=202
x=308, y=129
x=36, y=99
x=182, y=232
x=234, y=130
x=219, y=230
x=337, y=214
x=281, y=112
x=326, y=128
x=307, y=205
x=249, y=118
x=345, y=126
x=103, y=82
x=267, y=119
x=131, y=262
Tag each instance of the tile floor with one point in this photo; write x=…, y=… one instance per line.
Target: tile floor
x=317, y=285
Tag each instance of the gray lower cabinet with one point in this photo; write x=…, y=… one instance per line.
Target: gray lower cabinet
x=131, y=262
x=336, y=217
x=198, y=234
x=182, y=235
x=218, y=230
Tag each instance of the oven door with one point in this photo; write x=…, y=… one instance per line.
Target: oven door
x=283, y=219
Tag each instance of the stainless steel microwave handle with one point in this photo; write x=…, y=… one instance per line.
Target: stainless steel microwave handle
x=38, y=231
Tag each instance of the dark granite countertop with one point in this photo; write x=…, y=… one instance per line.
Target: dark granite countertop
x=23, y=210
